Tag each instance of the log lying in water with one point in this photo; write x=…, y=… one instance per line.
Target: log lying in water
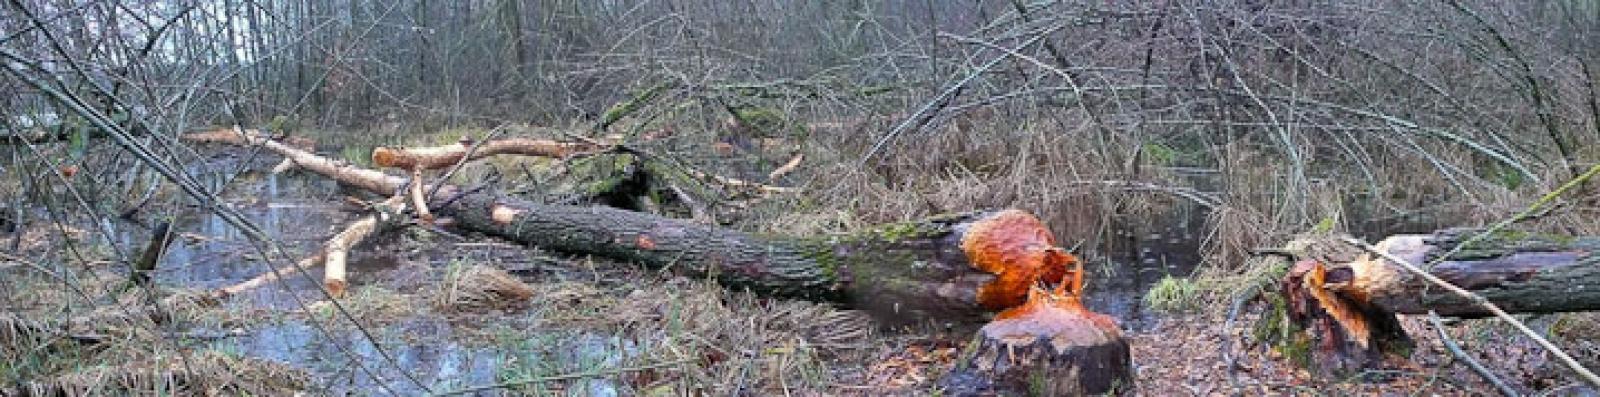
x=949, y=268
x=1347, y=307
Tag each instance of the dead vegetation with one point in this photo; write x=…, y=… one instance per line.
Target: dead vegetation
x=480, y=287
x=206, y=373
x=1112, y=122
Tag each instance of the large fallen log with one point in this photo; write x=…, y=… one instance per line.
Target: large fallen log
x=1346, y=306
x=949, y=268
x=1520, y=272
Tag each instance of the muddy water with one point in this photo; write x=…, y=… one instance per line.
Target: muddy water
x=1136, y=257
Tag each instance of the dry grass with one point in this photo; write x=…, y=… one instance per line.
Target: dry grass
x=478, y=287
x=736, y=341
x=205, y=373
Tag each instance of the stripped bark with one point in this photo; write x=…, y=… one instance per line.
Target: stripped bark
x=333, y=254
x=440, y=157
x=1520, y=272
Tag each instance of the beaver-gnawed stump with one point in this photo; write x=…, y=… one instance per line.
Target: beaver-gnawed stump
x=1049, y=346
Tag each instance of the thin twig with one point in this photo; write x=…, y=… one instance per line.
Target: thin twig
x=1455, y=349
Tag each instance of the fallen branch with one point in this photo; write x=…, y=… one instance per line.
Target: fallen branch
x=440, y=157
x=333, y=254
x=160, y=238
x=951, y=267
x=793, y=164
x=1455, y=350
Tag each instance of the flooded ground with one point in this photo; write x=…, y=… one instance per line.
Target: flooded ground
x=596, y=317
x=445, y=352
x=422, y=347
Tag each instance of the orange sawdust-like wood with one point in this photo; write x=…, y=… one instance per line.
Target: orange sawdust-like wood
x=1052, y=314
x=448, y=155
x=1018, y=249
x=1349, y=317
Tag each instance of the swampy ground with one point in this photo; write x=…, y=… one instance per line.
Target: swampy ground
x=1160, y=141
x=598, y=327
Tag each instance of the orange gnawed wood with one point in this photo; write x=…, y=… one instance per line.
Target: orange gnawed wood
x=1345, y=334
x=448, y=155
x=1050, y=345
x=1018, y=249
x=1349, y=318
x=1050, y=314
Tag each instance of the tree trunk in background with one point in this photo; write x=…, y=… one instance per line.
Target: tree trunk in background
x=423, y=85
x=510, y=15
x=1348, y=309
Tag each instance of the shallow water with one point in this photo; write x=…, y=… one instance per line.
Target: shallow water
x=300, y=211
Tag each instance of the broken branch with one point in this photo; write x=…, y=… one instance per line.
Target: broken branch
x=440, y=157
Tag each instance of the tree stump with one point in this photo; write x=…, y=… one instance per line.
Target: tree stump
x=1049, y=346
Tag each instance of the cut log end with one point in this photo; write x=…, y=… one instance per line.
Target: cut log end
x=1017, y=248
x=1050, y=345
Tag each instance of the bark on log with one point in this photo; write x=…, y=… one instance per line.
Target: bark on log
x=1520, y=272
x=954, y=268
x=160, y=238
x=1346, y=308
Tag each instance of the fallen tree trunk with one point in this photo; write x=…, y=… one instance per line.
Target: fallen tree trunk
x=954, y=267
x=1520, y=272
x=1347, y=307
